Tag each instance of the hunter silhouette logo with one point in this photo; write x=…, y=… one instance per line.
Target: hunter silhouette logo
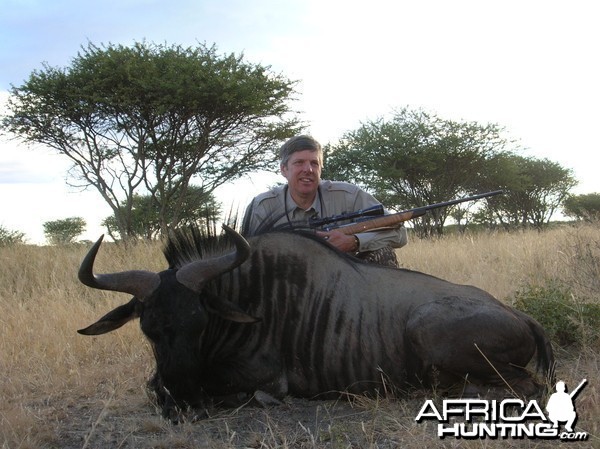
x=560, y=406
x=507, y=418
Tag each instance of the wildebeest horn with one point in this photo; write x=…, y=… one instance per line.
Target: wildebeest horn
x=135, y=282
x=195, y=274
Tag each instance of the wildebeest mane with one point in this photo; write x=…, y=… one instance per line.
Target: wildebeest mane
x=184, y=245
x=189, y=244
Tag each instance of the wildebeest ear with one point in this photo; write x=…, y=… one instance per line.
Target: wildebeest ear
x=228, y=310
x=115, y=318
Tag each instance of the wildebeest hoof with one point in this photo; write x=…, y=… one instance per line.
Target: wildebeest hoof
x=176, y=416
x=263, y=399
x=173, y=415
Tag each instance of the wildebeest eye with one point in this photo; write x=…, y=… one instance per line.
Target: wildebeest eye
x=149, y=326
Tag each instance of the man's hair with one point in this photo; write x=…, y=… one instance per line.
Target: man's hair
x=299, y=143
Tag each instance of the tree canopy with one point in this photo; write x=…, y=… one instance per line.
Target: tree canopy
x=534, y=190
x=583, y=207
x=154, y=120
x=197, y=209
x=64, y=231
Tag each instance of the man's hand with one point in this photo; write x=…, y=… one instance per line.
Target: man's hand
x=343, y=242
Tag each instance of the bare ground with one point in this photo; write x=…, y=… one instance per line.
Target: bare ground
x=121, y=415
x=129, y=420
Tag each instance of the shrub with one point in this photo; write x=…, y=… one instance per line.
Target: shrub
x=10, y=237
x=566, y=320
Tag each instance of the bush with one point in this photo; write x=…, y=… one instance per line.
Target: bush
x=566, y=320
x=10, y=237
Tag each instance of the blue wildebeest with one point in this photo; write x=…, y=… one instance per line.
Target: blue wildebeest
x=284, y=313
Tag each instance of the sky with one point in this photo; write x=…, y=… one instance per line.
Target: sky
x=529, y=66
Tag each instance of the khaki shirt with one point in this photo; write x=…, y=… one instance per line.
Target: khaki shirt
x=268, y=211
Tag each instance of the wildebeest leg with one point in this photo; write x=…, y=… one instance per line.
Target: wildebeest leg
x=477, y=344
x=258, y=398
x=268, y=395
x=172, y=412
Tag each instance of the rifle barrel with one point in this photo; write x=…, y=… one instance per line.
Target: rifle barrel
x=459, y=200
x=576, y=390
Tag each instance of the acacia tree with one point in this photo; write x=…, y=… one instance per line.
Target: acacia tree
x=546, y=184
x=150, y=119
x=198, y=208
x=64, y=231
x=415, y=159
x=583, y=207
x=534, y=190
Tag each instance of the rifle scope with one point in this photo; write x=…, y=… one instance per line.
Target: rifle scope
x=369, y=212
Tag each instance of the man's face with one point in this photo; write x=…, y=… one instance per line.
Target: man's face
x=303, y=172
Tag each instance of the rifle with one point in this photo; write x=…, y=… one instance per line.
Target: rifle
x=387, y=221
x=576, y=390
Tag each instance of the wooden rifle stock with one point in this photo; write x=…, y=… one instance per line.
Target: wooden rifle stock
x=383, y=222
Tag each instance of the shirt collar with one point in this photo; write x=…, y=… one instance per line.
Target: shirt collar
x=315, y=206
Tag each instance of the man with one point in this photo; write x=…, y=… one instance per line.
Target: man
x=560, y=406
x=306, y=196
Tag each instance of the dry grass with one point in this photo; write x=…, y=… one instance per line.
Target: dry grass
x=496, y=263
x=60, y=389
